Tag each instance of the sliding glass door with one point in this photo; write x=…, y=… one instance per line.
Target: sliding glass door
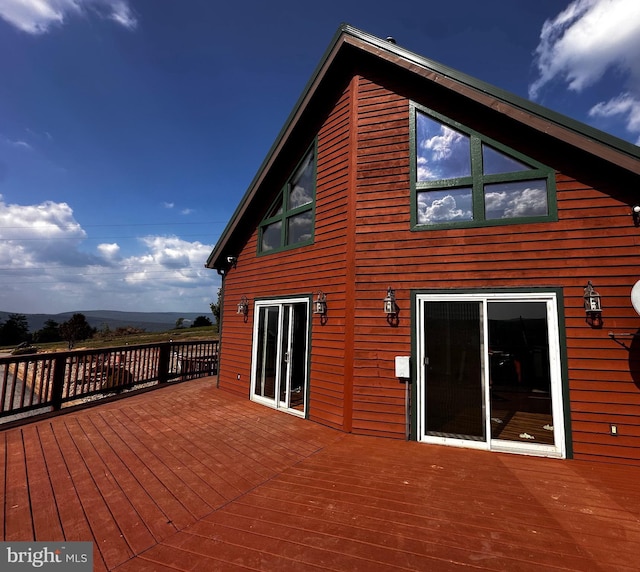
x=280, y=354
x=489, y=372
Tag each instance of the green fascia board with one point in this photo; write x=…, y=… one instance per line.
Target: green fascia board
x=346, y=31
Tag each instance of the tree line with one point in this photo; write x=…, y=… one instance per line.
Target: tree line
x=15, y=330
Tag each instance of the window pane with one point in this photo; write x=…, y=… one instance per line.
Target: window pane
x=271, y=236
x=442, y=152
x=276, y=210
x=299, y=227
x=516, y=199
x=454, y=393
x=302, y=184
x=451, y=205
x=494, y=162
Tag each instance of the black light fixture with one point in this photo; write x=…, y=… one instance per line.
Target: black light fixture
x=635, y=211
x=592, y=305
x=320, y=304
x=243, y=306
x=390, y=306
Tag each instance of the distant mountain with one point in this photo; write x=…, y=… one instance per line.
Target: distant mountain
x=149, y=321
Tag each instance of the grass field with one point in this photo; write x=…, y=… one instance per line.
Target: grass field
x=112, y=340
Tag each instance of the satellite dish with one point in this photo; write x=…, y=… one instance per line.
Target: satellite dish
x=635, y=296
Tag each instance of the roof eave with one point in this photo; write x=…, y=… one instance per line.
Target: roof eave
x=572, y=132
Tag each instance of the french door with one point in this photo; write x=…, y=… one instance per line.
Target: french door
x=489, y=372
x=280, y=354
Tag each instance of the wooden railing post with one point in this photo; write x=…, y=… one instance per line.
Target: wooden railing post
x=163, y=363
x=59, y=367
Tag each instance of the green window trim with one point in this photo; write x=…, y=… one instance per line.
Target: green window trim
x=290, y=220
x=460, y=191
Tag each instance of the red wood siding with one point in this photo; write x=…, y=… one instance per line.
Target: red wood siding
x=321, y=266
x=363, y=244
x=594, y=239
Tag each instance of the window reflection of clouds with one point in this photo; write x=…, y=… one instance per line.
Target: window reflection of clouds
x=301, y=192
x=452, y=205
x=271, y=236
x=443, y=152
x=516, y=199
x=299, y=227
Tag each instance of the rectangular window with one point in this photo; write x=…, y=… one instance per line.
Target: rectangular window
x=289, y=221
x=461, y=178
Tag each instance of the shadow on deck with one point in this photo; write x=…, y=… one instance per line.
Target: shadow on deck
x=191, y=478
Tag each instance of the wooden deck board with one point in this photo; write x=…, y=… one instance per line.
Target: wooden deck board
x=175, y=515
x=192, y=478
x=17, y=511
x=104, y=526
x=105, y=445
x=46, y=519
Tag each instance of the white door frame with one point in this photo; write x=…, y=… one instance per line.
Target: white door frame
x=284, y=305
x=558, y=449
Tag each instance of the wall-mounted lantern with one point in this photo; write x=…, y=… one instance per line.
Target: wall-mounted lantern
x=390, y=306
x=635, y=211
x=243, y=306
x=592, y=305
x=320, y=304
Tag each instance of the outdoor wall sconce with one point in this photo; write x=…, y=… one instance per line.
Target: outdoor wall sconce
x=592, y=305
x=390, y=307
x=635, y=211
x=320, y=304
x=243, y=306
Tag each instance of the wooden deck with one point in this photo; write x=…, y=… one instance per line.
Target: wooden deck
x=191, y=478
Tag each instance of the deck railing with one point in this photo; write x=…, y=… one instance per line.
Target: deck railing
x=40, y=383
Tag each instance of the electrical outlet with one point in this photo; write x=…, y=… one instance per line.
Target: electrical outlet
x=614, y=429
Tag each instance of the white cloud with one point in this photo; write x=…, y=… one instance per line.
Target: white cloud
x=625, y=105
x=18, y=143
x=28, y=233
x=121, y=13
x=585, y=40
x=109, y=251
x=168, y=205
x=38, y=16
x=47, y=264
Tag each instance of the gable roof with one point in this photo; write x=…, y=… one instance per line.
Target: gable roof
x=347, y=46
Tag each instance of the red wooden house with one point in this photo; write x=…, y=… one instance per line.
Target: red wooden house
x=412, y=260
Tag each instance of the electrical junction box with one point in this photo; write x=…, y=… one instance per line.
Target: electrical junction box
x=402, y=367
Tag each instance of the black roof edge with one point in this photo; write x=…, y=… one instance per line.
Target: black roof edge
x=578, y=127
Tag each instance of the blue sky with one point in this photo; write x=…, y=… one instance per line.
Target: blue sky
x=130, y=129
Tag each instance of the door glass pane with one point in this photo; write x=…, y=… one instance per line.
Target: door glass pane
x=453, y=393
x=267, y=352
x=520, y=373
x=298, y=357
x=284, y=356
